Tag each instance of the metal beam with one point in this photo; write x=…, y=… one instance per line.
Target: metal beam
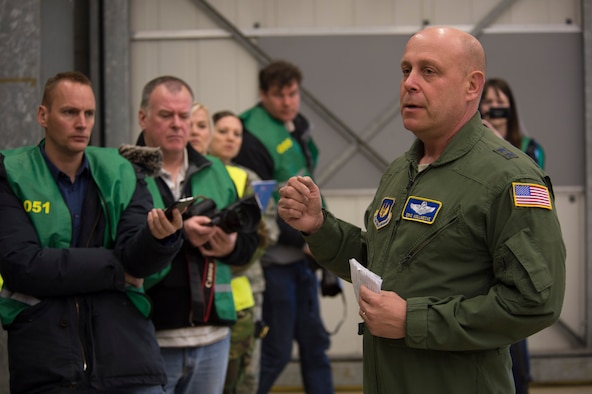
x=392, y=111
x=491, y=16
x=263, y=58
x=115, y=71
x=587, y=44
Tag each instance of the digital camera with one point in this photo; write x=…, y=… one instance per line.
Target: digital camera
x=242, y=216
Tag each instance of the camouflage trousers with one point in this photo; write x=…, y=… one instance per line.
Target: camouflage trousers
x=242, y=340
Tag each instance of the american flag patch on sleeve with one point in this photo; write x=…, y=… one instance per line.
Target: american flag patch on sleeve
x=531, y=195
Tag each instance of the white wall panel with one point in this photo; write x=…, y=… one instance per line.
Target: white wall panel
x=253, y=11
x=457, y=13
x=247, y=90
x=428, y=9
x=221, y=74
x=480, y=8
x=335, y=13
x=561, y=10
x=529, y=11
x=571, y=205
x=295, y=13
x=184, y=14
x=143, y=68
x=408, y=13
x=544, y=12
x=181, y=58
x=171, y=15
x=144, y=14
x=175, y=14
x=222, y=77
x=374, y=12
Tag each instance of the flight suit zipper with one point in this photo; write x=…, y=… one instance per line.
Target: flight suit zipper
x=407, y=259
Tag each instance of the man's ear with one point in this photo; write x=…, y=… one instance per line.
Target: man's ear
x=142, y=118
x=264, y=94
x=42, y=115
x=476, y=81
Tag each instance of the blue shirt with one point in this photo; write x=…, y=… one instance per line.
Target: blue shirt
x=72, y=192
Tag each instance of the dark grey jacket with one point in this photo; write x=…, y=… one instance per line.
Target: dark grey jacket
x=84, y=334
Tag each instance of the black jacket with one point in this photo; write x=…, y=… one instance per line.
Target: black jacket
x=179, y=293
x=85, y=333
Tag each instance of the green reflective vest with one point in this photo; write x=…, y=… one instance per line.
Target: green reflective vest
x=32, y=182
x=217, y=185
x=288, y=158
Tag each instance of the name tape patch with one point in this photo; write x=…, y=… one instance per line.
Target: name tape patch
x=420, y=209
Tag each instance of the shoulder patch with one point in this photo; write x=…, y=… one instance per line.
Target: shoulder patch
x=420, y=209
x=505, y=152
x=531, y=195
x=384, y=214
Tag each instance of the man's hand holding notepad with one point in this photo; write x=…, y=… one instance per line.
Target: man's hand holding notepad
x=361, y=275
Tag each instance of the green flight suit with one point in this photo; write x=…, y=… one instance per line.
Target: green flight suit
x=480, y=263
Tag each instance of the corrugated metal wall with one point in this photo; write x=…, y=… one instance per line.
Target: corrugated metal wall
x=175, y=37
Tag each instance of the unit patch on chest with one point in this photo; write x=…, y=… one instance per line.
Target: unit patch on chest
x=383, y=216
x=420, y=209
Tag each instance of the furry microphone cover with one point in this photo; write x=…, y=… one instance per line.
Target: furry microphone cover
x=147, y=158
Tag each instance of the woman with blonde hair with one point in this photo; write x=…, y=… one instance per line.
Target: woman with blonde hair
x=200, y=129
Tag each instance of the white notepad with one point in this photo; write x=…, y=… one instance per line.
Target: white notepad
x=361, y=275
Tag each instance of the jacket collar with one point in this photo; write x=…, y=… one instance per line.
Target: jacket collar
x=459, y=145
x=194, y=157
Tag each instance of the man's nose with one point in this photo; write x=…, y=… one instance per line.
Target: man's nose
x=82, y=120
x=177, y=121
x=410, y=82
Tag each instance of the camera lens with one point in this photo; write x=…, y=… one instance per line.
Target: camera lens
x=499, y=112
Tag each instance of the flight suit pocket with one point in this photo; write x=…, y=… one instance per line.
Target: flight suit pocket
x=531, y=275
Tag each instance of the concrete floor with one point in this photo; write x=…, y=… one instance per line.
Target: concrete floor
x=348, y=380
x=538, y=389
x=572, y=389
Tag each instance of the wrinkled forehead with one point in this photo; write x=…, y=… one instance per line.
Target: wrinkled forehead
x=175, y=100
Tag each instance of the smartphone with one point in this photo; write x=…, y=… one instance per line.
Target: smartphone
x=180, y=204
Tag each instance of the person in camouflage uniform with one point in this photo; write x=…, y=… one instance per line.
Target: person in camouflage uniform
x=243, y=363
